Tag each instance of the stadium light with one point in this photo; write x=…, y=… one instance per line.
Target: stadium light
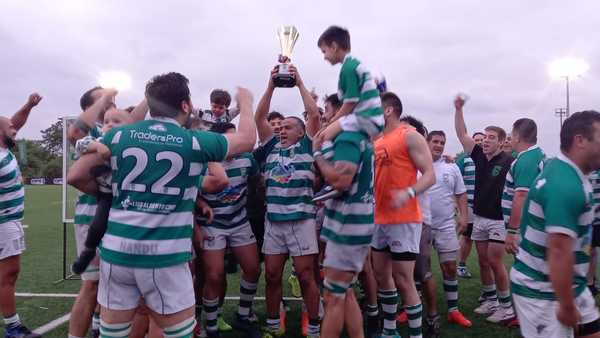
x=567, y=68
x=115, y=79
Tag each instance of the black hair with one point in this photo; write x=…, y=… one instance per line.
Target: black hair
x=526, y=129
x=275, y=115
x=580, y=123
x=433, y=133
x=166, y=92
x=86, y=99
x=222, y=127
x=336, y=34
x=478, y=133
x=334, y=100
x=220, y=96
x=417, y=124
x=389, y=99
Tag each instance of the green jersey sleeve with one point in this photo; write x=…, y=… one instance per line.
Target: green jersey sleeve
x=211, y=147
x=562, y=207
x=349, y=83
x=525, y=172
x=347, y=150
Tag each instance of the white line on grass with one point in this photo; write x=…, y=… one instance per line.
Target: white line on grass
x=74, y=295
x=53, y=324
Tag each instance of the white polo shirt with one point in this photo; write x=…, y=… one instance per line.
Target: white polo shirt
x=448, y=184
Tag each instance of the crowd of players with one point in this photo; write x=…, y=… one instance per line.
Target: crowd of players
x=355, y=193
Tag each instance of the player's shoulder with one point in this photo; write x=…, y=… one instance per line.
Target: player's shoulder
x=561, y=179
x=350, y=63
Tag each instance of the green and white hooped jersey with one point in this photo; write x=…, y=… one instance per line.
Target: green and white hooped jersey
x=356, y=84
x=349, y=218
x=12, y=193
x=229, y=205
x=156, y=169
x=559, y=201
x=289, y=177
x=85, y=208
x=467, y=169
x=595, y=180
x=523, y=171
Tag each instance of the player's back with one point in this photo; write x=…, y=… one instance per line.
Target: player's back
x=156, y=168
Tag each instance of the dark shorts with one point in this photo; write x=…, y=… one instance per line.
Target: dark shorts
x=596, y=236
x=469, y=231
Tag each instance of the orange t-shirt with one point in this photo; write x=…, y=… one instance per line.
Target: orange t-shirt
x=394, y=170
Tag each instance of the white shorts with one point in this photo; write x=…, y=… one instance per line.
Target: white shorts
x=538, y=317
x=444, y=238
x=399, y=238
x=12, y=239
x=345, y=257
x=219, y=239
x=471, y=215
x=371, y=126
x=296, y=238
x=92, y=272
x=485, y=229
x=165, y=290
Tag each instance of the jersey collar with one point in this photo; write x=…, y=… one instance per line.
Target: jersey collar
x=565, y=159
x=535, y=146
x=166, y=120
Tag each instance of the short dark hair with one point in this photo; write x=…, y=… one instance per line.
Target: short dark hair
x=336, y=34
x=389, y=99
x=275, y=115
x=86, y=99
x=501, y=133
x=222, y=127
x=299, y=120
x=580, y=123
x=433, y=133
x=165, y=93
x=526, y=129
x=220, y=96
x=478, y=133
x=417, y=124
x=130, y=109
x=334, y=100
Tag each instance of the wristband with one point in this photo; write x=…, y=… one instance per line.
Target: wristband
x=512, y=231
x=411, y=192
x=317, y=153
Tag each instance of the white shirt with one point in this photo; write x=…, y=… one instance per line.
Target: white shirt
x=448, y=184
x=424, y=204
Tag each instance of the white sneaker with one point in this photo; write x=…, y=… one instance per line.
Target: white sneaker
x=487, y=307
x=501, y=315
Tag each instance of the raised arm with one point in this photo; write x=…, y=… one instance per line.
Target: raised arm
x=140, y=111
x=244, y=139
x=87, y=119
x=312, y=110
x=461, y=128
x=262, y=125
x=20, y=117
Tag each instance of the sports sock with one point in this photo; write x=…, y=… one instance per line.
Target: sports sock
x=389, y=305
x=504, y=298
x=415, y=314
x=211, y=308
x=12, y=321
x=96, y=321
x=247, y=293
x=451, y=290
x=489, y=292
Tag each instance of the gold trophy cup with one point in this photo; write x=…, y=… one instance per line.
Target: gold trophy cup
x=288, y=35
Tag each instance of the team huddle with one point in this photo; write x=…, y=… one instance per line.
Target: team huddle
x=356, y=193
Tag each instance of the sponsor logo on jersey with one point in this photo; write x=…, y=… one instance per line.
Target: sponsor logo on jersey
x=230, y=194
x=152, y=137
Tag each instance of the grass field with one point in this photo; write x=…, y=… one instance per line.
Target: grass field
x=42, y=267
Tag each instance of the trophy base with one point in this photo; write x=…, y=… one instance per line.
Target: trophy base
x=284, y=80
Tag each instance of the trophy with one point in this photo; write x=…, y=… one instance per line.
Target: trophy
x=288, y=35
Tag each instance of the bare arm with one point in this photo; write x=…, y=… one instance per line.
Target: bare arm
x=262, y=125
x=421, y=156
x=216, y=180
x=140, y=111
x=20, y=117
x=461, y=203
x=312, y=110
x=460, y=126
x=80, y=176
x=561, y=261
x=244, y=139
x=88, y=118
x=101, y=149
x=339, y=174
x=517, y=208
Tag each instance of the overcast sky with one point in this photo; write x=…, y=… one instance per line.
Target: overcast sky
x=497, y=52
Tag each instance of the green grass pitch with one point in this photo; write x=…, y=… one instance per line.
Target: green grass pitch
x=42, y=267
